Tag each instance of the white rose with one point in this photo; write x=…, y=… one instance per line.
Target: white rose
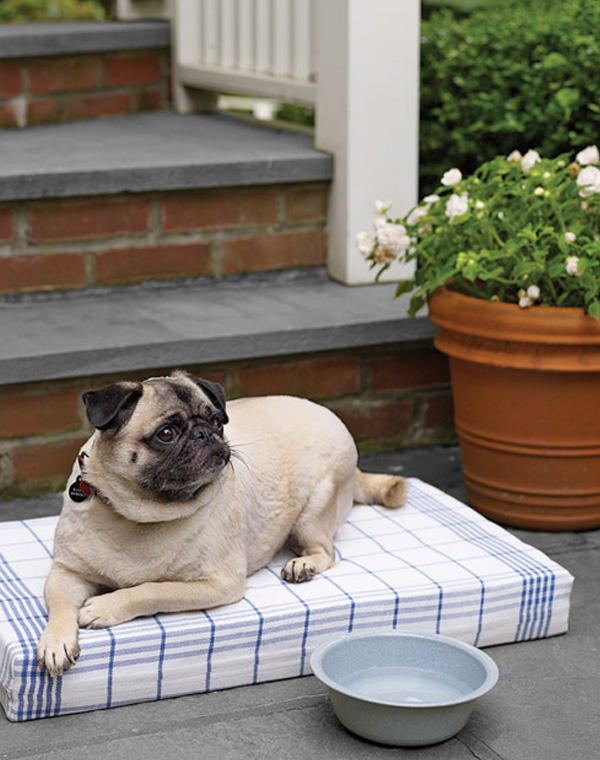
x=533, y=292
x=452, y=177
x=515, y=157
x=431, y=198
x=457, y=205
x=588, y=180
x=525, y=302
x=573, y=265
x=378, y=222
x=364, y=243
x=479, y=205
x=417, y=214
x=393, y=238
x=538, y=191
x=382, y=207
x=529, y=160
x=570, y=237
x=589, y=155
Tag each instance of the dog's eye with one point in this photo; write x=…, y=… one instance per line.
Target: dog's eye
x=168, y=434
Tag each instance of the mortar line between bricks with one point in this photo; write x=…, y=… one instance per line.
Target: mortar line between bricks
x=89, y=263
x=78, y=93
x=21, y=229
x=152, y=236
x=156, y=232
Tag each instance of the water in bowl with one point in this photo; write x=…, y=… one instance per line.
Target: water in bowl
x=406, y=685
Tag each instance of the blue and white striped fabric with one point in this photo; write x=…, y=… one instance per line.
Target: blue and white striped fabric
x=434, y=565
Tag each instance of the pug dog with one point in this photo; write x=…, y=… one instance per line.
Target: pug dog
x=176, y=499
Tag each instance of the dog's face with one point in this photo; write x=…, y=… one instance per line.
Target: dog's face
x=161, y=441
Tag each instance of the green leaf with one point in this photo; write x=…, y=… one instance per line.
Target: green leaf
x=553, y=60
x=416, y=303
x=493, y=274
x=404, y=286
x=525, y=268
x=567, y=98
x=594, y=309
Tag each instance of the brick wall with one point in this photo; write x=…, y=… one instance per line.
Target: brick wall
x=70, y=87
x=388, y=396
x=84, y=242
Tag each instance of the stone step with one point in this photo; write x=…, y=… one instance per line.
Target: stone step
x=296, y=332
x=61, y=72
x=157, y=196
x=58, y=39
x=117, y=330
x=151, y=153
x=142, y=196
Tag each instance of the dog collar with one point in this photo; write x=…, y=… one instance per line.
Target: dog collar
x=81, y=489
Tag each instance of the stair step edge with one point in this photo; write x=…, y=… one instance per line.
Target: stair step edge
x=134, y=328
x=153, y=152
x=66, y=38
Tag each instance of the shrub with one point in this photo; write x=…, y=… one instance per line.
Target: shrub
x=27, y=11
x=297, y=114
x=510, y=74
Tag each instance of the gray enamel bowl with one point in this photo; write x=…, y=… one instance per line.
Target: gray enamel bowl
x=401, y=688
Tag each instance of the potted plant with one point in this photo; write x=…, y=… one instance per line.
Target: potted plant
x=508, y=261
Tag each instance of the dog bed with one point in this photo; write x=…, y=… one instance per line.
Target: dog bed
x=435, y=565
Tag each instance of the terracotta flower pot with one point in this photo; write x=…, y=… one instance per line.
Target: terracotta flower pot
x=526, y=386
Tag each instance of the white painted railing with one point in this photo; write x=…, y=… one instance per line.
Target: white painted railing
x=357, y=61
x=253, y=47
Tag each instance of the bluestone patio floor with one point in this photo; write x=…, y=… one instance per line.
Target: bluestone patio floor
x=546, y=705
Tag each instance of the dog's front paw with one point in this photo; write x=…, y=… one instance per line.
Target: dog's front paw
x=57, y=651
x=298, y=570
x=102, y=611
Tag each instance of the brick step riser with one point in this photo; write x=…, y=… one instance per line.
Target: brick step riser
x=397, y=395
x=60, y=88
x=96, y=241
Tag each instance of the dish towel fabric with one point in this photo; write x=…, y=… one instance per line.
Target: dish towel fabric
x=435, y=565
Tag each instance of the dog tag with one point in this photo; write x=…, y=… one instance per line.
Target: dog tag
x=79, y=490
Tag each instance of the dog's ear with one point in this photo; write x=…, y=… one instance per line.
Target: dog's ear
x=216, y=393
x=111, y=407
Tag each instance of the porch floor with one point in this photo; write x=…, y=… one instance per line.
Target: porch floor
x=545, y=704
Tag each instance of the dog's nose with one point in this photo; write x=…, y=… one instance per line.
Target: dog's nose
x=201, y=433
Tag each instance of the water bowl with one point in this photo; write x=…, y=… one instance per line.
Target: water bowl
x=403, y=688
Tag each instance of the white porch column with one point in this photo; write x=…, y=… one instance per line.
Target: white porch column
x=367, y=116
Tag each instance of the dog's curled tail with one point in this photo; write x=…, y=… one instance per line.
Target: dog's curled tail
x=373, y=488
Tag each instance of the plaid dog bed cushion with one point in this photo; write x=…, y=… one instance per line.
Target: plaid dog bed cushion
x=435, y=565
